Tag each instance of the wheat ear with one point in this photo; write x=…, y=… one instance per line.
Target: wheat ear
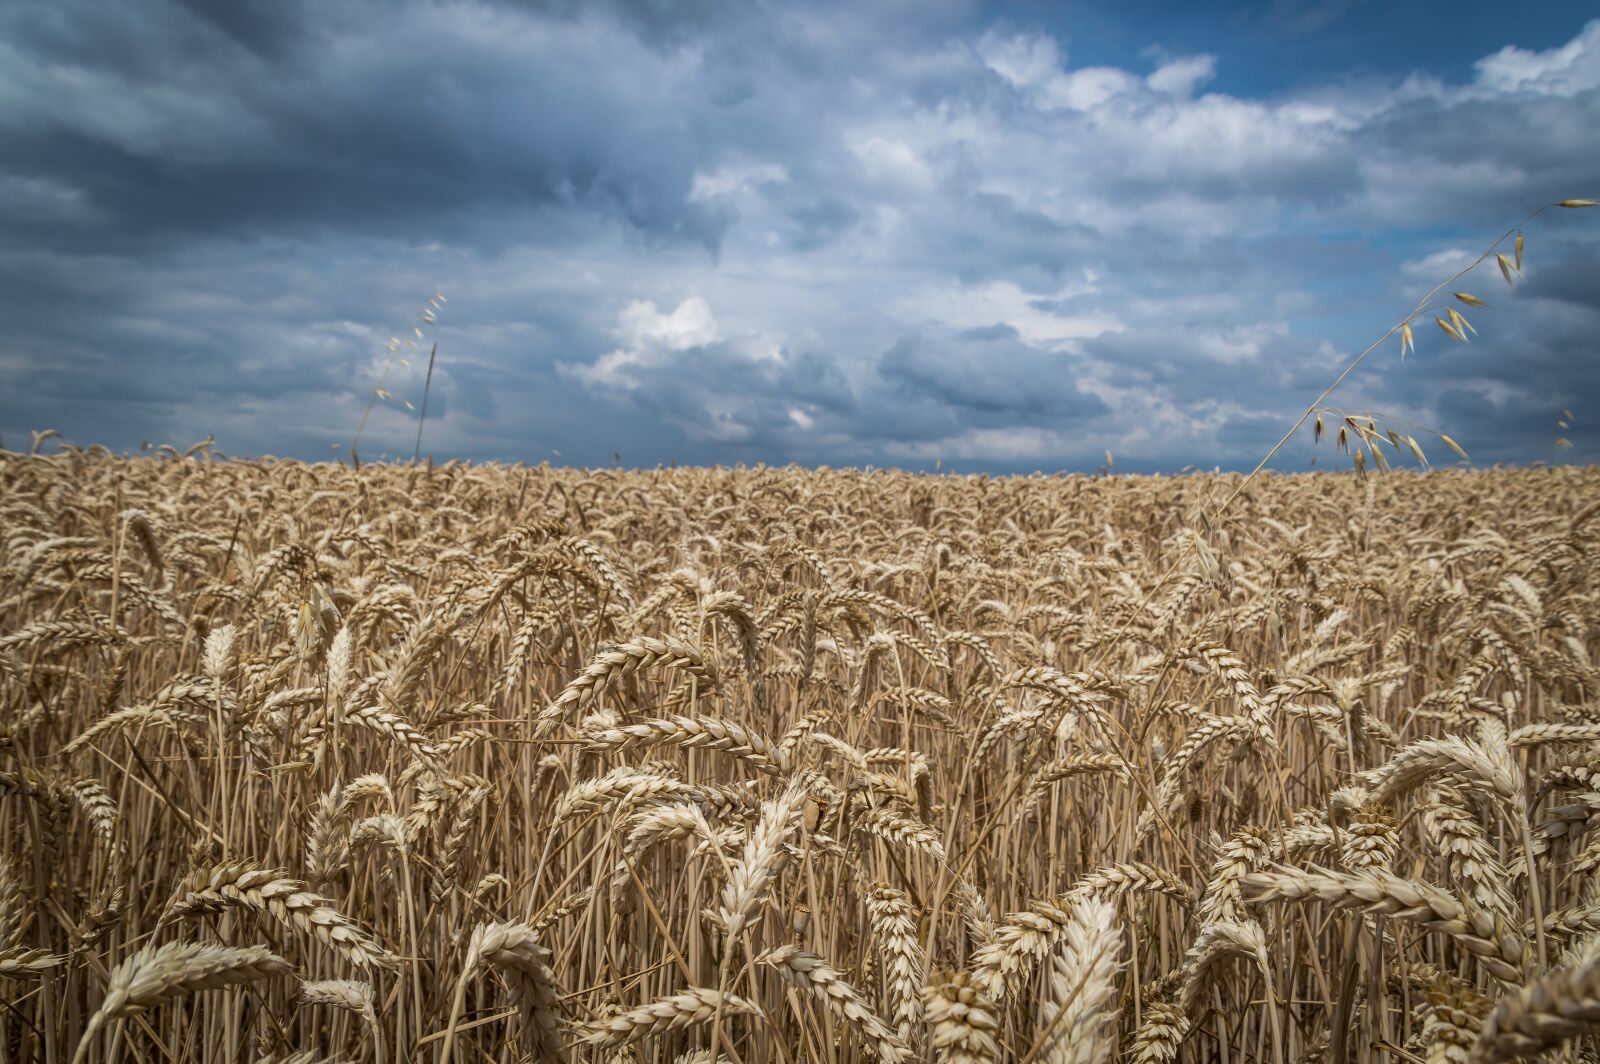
x=157, y=974
x=963, y=1020
x=808, y=971
x=895, y=924
x=1083, y=986
x=514, y=950
x=350, y=995
x=706, y=733
x=1556, y=1006
x=693, y=1006
x=1497, y=948
x=287, y=900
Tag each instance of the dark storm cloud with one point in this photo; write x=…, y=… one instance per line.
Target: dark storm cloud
x=723, y=232
x=1008, y=381
x=997, y=331
x=820, y=222
x=403, y=126
x=269, y=28
x=1568, y=277
x=992, y=236
x=669, y=22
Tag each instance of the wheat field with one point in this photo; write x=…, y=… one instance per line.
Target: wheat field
x=487, y=763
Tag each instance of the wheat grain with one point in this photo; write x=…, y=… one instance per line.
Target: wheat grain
x=962, y=1020
x=158, y=974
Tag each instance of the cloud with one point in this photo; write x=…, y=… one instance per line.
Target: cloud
x=712, y=385
x=1180, y=77
x=1026, y=60
x=650, y=340
x=1565, y=71
x=1042, y=320
x=1439, y=264
x=894, y=163
x=725, y=232
x=1016, y=383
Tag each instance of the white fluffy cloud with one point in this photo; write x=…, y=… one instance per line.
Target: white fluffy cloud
x=1565, y=71
x=650, y=339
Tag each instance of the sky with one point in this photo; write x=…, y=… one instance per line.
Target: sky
x=932, y=234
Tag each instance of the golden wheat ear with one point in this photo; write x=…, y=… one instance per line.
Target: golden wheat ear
x=158, y=974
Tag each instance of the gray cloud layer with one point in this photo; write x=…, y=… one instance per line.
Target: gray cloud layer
x=730, y=232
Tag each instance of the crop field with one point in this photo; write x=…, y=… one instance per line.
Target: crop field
x=488, y=763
